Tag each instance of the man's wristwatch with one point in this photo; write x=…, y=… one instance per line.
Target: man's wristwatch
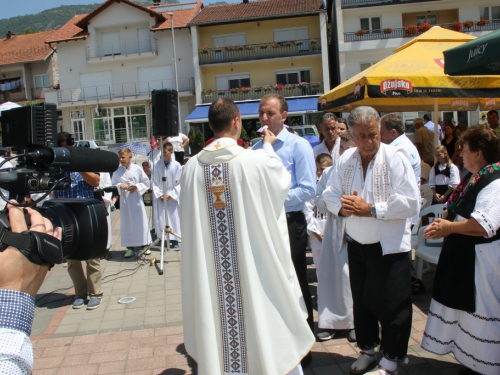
x=373, y=211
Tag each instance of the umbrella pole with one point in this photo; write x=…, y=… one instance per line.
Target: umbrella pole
x=436, y=131
x=164, y=182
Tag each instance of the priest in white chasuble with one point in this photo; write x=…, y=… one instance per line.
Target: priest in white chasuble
x=243, y=311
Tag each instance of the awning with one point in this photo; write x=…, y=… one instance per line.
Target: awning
x=249, y=110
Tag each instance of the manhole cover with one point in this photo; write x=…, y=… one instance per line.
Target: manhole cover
x=126, y=300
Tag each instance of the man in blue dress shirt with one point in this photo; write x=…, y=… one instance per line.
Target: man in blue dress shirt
x=297, y=157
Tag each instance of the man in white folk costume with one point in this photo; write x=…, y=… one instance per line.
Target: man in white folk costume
x=174, y=170
x=243, y=311
x=132, y=183
x=374, y=187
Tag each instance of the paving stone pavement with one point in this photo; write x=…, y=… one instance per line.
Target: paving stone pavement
x=146, y=336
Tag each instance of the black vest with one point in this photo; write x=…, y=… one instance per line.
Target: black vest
x=454, y=284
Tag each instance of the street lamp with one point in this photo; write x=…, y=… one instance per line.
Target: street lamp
x=175, y=58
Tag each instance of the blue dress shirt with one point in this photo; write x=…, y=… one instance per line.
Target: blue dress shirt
x=298, y=159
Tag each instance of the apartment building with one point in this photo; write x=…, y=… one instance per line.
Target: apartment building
x=112, y=58
x=28, y=67
x=370, y=30
x=244, y=51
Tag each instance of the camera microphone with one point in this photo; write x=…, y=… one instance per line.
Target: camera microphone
x=76, y=159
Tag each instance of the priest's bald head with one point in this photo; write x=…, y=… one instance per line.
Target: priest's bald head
x=225, y=119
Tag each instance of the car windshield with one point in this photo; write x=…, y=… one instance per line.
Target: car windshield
x=100, y=143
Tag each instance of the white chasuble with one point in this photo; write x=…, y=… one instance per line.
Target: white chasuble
x=243, y=311
x=134, y=227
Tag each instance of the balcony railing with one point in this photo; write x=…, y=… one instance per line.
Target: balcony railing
x=365, y=3
x=401, y=33
x=122, y=91
x=257, y=92
x=125, y=48
x=213, y=55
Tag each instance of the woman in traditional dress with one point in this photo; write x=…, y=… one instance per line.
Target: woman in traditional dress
x=444, y=177
x=464, y=316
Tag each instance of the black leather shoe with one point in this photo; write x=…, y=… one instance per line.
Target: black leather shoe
x=306, y=361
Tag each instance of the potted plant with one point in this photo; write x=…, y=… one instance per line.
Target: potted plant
x=249, y=47
x=303, y=85
x=264, y=45
x=315, y=84
x=424, y=26
x=217, y=49
x=256, y=88
x=245, y=89
x=387, y=30
x=482, y=22
x=314, y=42
x=267, y=88
x=203, y=50
x=221, y=92
x=361, y=32
x=468, y=24
x=206, y=92
x=229, y=47
x=278, y=87
x=234, y=90
x=274, y=45
x=298, y=42
x=197, y=141
x=286, y=44
x=411, y=30
x=457, y=26
x=240, y=48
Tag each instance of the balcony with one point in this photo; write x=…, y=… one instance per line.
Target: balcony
x=121, y=91
x=401, y=33
x=301, y=47
x=346, y=4
x=257, y=92
x=110, y=51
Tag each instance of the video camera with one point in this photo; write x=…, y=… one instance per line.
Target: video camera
x=41, y=168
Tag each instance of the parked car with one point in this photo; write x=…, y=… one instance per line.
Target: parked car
x=306, y=130
x=91, y=143
x=5, y=152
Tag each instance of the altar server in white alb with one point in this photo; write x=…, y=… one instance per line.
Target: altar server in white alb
x=173, y=169
x=104, y=182
x=335, y=312
x=132, y=183
x=374, y=187
x=243, y=310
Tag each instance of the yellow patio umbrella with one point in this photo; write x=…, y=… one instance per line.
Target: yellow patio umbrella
x=413, y=79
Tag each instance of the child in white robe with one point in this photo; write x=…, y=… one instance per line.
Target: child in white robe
x=174, y=170
x=132, y=183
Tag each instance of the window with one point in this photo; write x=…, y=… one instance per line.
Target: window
x=363, y=66
x=490, y=13
x=293, y=76
x=429, y=18
x=110, y=43
x=240, y=82
x=42, y=81
x=293, y=33
x=229, y=39
x=78, y=124
x=371, y=24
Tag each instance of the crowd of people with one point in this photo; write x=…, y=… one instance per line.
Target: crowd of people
x=247, y=215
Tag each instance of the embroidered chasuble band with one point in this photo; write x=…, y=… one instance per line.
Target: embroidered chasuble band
x=227, y=274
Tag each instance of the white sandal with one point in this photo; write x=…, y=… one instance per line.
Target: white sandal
x=363, y=364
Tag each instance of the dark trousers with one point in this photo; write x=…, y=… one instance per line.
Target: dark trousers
x=179, y=157
x=381, y=292
x=297, y=232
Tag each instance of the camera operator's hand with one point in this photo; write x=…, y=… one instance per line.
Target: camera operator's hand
x=16, y=271
x=124, y=186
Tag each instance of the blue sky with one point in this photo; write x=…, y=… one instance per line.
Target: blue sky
x=24, y=7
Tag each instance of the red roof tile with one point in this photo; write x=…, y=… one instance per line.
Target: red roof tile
x=85, y=20
x=181, y=17
x=25, y=48
x=73, y=30
x=262, y=9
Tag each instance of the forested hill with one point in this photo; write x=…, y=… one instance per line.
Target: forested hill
x=51, y=18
